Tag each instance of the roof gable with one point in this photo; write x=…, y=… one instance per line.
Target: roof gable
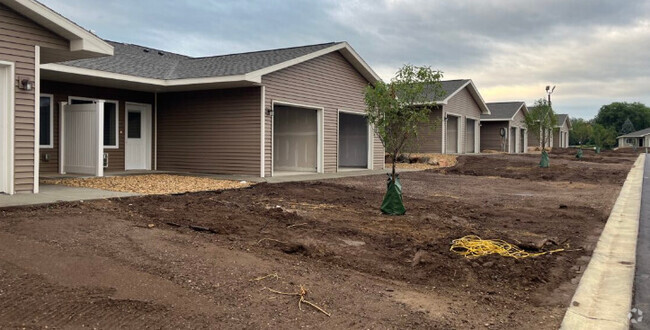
x=453, y=87
x=503, y=110
x=563, y=118
x=83, y=43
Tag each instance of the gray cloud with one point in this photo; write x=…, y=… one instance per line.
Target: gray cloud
x=594, y=50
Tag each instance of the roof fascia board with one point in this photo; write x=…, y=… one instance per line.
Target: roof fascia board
x=479, y=98
x=148, y=81
x=496, y=119
x=80, y=39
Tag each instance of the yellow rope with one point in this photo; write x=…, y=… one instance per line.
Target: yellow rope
x=472, y=246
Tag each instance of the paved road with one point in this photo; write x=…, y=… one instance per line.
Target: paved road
x=642, y=277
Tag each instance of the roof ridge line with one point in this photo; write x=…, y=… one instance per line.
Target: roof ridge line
x=267, y=50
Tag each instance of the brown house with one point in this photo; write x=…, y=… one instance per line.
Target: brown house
x=274, y=112
x=456, y=120
x=31, y=35
x=505, y=128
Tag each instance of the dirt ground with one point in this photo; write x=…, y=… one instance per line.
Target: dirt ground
x=99, y=264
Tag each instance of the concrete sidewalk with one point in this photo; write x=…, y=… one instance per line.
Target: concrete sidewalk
x=57, y=193
x=642, y=277
x=603, y=298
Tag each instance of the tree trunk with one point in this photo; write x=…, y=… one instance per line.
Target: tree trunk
x=394, y=160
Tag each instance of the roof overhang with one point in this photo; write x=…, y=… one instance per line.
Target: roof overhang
x=67, y=73
x=83, y=44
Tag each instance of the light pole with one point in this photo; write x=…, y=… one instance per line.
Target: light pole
x=549, y=91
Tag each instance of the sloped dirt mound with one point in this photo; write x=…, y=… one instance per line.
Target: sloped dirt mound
x=561, y=169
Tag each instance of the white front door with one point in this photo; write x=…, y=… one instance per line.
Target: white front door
x=138, y=137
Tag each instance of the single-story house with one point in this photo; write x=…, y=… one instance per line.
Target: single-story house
x=561, y=132
x=96, y=106
x=505, y=128
x=457, y=116
x=639, y=139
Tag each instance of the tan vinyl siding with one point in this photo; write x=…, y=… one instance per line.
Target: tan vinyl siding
x=18, y=38
x=556, y=134
x=62, y=91
x=215, y=131
x=328, y=81
x=491, y=135
x=429, y=135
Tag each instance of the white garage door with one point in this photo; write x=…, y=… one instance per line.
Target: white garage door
x=452, y=134
x=353, y=141
x=295, y=139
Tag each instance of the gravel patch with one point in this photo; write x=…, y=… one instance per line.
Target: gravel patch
x=151, y=184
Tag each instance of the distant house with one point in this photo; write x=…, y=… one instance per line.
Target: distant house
x=458, y=115
x=87, y=106
x=635, y=139
x=556, y=138
x=560, y=137
x=505, y=128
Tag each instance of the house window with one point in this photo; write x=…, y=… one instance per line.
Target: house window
x=110, y=120
x=46, y=117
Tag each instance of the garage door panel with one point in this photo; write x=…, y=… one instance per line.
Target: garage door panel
x=470, y=139
x=353, y=141
x=452, y=134
x=295, y=139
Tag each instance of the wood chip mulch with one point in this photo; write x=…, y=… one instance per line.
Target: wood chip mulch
x=151, y=184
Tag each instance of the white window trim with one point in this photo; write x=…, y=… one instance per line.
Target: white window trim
x=51, y=145
x=7, y=129
x=117, y=117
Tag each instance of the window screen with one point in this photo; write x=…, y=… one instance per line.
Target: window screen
x=135, y=125
x=45, y=117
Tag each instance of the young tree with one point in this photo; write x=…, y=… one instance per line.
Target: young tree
x=581, y=131
x=627, y=127
x=604, y=137
x=398, y=109
x=542, y=119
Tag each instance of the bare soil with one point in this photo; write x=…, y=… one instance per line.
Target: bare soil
x=102, y=264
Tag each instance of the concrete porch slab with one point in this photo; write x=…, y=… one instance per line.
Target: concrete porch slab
x=58, y=193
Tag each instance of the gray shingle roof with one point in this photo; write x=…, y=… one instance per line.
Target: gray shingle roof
x=502, y=110
x=561, y=117
x=448, y=86
x=640, y=133
x=147, y=62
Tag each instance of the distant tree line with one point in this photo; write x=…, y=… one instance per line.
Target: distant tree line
x=613, y=120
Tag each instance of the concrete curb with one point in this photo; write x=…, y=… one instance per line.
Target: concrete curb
x=604, y=296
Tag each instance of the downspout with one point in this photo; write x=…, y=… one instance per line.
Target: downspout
x=155, y=131
x=37, y=119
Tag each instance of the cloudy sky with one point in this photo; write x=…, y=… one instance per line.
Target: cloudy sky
x=595, y=51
